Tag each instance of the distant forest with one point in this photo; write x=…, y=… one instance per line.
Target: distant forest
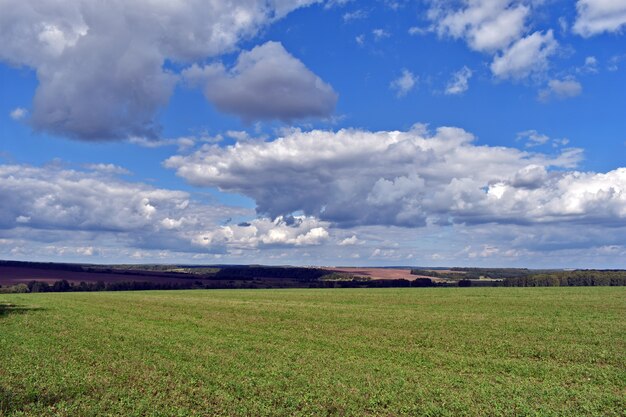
x=521, y=277
x=576, y=278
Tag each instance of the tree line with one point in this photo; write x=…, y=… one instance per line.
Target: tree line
x=514, y=277
x=65, y=286
x=473, y=273
x=577, y=278
x=257, y=283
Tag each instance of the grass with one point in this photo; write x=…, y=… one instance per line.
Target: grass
x=433, y=352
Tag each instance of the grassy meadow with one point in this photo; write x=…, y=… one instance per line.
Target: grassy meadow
x=433, y=352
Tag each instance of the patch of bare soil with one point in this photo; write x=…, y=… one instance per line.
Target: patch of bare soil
x=381, y=273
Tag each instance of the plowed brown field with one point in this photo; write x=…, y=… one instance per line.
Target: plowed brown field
x=381, y=273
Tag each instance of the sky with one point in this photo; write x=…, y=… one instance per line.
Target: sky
x=425, y=133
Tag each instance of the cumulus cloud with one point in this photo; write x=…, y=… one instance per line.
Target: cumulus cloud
x=412, y=178
x=561, y=89
x=350, y=241
x=65, y=204
x=18, y=113
x=598, y=16
x=498, y=28
x=290, y=231
x=404, y=83
x=486, y=25
x=526, y=56
x=66, y=199
x=572, y=195
x=100, y=65
x=265, y=83
x=459, y=82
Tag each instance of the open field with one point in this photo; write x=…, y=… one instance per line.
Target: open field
x=435, y=351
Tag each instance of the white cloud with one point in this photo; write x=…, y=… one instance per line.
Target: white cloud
x=354, y=15
x=86, y=250
x=51, y=204
x=591, y=65
x=183, y=143
x=572, y=195
x=336, y=3
x=459, y=82
x=404, y=83
x=22, y=219
x=563, y=24
x=412, y=178
x=265, y=83
x=498, y=28
x=614, y=61
x=18, y=113
x=533, y=138
x=384, y=253
x=197, y=233
x=560, y=142
x=561, y=89
x=56, y=198
x=526, y=56
x=350, y=241
x=290, y=231
x=598, y=16
x=414, y=30
x=486, y=25
x=380, y=34
x=115, y=52
x=108, y=169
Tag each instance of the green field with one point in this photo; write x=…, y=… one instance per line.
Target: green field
x=436, y=351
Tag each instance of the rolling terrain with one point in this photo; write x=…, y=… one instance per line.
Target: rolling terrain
x=17, y=277
x=218, y=276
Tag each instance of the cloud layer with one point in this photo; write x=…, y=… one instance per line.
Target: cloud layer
x=55, y=201
x=529, y=216
x=413, y=178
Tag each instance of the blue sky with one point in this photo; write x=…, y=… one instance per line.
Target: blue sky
x=478, y=132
